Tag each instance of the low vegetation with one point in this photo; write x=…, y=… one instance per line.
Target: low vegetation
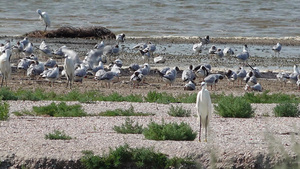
x=60, y=110
x=170, y=131
x=178, y=111
x=152, y=96
x=129, y=128
x=286, y=110
x=230, y=106
x=4, y=110
x=120, y=112
x=57, y=135
x=126, y=157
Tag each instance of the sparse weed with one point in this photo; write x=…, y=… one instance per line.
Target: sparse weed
x=120, y=112
x=178, y=111
x=4, y=110
x=57, y=135
x=129, y=128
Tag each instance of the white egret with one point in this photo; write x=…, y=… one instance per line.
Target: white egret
x=204, y=109
x=44, y=16
x=69, y=67
x=5, y=67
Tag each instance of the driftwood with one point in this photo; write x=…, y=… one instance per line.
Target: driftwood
x=72, y=32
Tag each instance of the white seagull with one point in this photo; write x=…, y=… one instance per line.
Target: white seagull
x=244, y=56
x=277, y=49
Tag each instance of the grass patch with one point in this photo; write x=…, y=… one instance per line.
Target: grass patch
x=178, y=111
x=57, y=135
x=230, y=106
x=129, y=128
x=120, y=112
x=4, y=110
x=60, y=110
x=286, y=110
x=126, y=157
x=24, y=113
x=266, y=97
x=170, y=131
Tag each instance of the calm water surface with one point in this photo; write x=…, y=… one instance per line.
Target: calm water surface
x=226, y=18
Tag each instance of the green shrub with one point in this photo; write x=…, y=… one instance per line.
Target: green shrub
x=120, y=112
x=230, y=106
x=24, y=113
x=4, y=110
x=178, y=111
x=128, y=127
x=126, y=157
x=6, y=94
x=57, y=135
x=60, y=110
x=155, y=97
x=171, y=131
x=265, y=97
x=286, y=110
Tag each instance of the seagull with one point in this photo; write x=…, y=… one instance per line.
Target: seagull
x=293, y=77
x=136, y=78
x=219, y=53
x=159, y=59
x=231, y=76
x=256, y=87
x=151, y=48
x=282, y=77
x=202, y=71
x=19, y=48
x=197, y=48
x=212, y=79
x=145, y=70
x=204, y=109
x=111, y=50
x=28, y=49
x=277, y=49
x=24, y=41
x=241, y=74
x=140, y=46
x=99, y=45
x=250, y=79
x=170, y=76
x=120, y=38
x=243, y=57
x=35, y=69
x=24, y=64
x=5, y=67
x=188, y=74
x=205, y=40
x=212, y=49
x=190, y=86
x=44, y=16
x=45, y=49
x=50, y=63
x=80, y=73
x=134, y=67
x=51, y=74
x=228, y=52
x=108, y=77
x=93, y=58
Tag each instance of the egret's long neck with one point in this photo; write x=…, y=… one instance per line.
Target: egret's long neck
x=296, y=70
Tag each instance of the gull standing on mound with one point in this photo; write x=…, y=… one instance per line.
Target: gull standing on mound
x=44, y=16
x=204, y=109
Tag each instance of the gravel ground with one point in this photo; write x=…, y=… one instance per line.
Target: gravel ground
x=234, y=142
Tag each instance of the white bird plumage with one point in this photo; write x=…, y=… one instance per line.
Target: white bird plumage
x=277, y=49
x=45, y=17
x=204, y=109
x=5, y=67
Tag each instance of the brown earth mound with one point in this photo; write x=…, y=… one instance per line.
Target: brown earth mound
x=72, y=32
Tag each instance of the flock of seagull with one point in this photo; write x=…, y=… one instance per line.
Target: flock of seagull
x=75, y=69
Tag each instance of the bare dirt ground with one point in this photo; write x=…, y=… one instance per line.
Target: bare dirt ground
x=258, y=142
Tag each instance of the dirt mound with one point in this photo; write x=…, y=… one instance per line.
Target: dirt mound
x=72, y=32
